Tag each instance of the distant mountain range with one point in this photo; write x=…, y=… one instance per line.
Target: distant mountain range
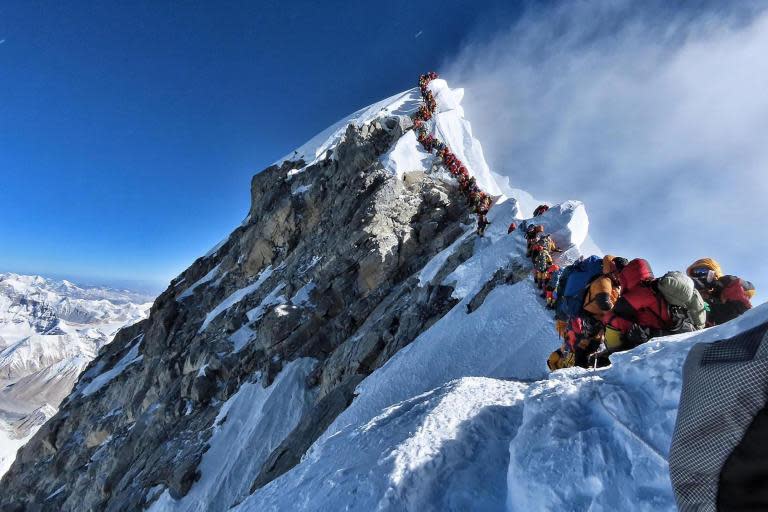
x=49, y=331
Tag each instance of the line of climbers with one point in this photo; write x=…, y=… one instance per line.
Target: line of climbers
x=478, y=200
x=602, y=305
x=609, y=304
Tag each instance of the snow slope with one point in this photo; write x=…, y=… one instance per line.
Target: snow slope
x=448, y=124
x=251, y=424
x=466, y=416
x=441, y=450
x=577, y=440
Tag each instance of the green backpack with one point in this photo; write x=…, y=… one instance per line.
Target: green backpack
x=678, y=289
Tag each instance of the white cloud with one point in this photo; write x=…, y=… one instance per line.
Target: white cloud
x=658, y=120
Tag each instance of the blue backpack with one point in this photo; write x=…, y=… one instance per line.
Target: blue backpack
x=554, y=279
x=570, y=301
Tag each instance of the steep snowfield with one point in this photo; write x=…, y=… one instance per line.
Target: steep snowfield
x=578, y=440
x=50, y=330
x=250, y=425
x=441, y=450
x=464, y=417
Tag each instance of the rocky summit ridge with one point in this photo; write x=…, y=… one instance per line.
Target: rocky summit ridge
x=322, y=279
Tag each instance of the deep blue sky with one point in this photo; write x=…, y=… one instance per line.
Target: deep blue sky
x=129, y=130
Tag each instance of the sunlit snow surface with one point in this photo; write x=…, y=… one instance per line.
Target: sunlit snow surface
x=316, y=148
x=467, y=417
x=250, y=425
x=579, y=440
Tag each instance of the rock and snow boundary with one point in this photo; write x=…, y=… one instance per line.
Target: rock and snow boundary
x=467, y=416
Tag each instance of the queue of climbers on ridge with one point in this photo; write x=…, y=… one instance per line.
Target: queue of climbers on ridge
x=602, y=304
x=477, y=200
x=610, y=304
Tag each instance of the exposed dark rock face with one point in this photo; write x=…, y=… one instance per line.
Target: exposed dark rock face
x=327, y=257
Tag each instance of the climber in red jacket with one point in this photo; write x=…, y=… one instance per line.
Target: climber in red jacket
x=640, y=312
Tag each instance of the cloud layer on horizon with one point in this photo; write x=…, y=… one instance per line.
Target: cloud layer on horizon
x=656, y=119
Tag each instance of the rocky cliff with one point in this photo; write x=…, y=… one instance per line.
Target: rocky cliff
x=318, y=287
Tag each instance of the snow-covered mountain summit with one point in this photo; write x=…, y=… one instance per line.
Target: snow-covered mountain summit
x=354, y=345
x=50, y=330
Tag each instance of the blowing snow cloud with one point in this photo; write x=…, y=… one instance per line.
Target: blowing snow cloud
x=658, y=123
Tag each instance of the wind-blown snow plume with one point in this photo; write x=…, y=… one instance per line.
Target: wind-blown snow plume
x=653, y=115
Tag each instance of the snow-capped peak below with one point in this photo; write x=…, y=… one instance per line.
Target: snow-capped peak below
x=49, y=332
x=29, y=285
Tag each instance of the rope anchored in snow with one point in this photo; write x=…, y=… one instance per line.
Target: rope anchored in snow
x=478, y=200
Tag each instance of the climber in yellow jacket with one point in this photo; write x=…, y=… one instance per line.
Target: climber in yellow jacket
x=604, y=291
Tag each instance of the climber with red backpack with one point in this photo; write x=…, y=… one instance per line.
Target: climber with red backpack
x=582, y=338
x=642, y=311
x=727, y=296
x=637, y=310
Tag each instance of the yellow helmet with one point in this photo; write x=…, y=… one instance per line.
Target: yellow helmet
x=706, y=263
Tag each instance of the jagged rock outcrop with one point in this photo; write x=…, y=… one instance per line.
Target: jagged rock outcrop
x=323, y=268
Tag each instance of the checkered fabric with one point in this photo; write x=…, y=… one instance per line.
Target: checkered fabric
x=725, y=384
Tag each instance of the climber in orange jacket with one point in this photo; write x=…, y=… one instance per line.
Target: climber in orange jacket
x=582, y=337
x=604, y=291
x=727, y=296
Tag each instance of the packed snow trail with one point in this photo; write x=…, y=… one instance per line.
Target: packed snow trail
x=442, y=450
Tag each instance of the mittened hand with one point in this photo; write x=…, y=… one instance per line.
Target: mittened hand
x=637, y=334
